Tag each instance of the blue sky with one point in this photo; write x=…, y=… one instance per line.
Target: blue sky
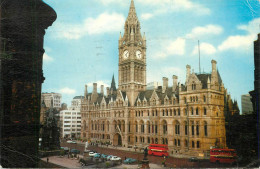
x=81, y=47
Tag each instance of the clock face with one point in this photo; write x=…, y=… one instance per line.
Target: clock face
x=125, y=54
x=138, y=54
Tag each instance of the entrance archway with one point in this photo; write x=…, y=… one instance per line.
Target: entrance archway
x=117, y=140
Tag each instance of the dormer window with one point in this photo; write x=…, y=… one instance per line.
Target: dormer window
x=193, y=86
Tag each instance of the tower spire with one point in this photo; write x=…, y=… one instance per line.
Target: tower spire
x=113, y=84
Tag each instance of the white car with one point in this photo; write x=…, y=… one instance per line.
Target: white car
x=92, y=154
x=115, y=158
x=69, y=141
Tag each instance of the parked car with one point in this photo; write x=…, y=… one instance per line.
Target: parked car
x=130, y=161
x=115, y=158
x=109, y=157
x=97, y=155
x=193, y=159
x=92, y=153
x=69, y=141
x=75, y=151
x=104, y=156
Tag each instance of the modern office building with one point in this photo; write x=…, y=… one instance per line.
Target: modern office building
x=247, y=106
x=52, y=100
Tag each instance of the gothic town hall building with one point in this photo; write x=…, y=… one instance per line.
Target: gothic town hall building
x=188, y=117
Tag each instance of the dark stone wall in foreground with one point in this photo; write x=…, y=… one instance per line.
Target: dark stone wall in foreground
x=23, y=24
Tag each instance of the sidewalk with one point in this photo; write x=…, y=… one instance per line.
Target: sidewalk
x=63, y=161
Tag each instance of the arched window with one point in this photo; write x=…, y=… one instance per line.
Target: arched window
x=186, y=143
x=193, y=144
x=198, y=144
x=136, y=127
x=197, y=129
x=174, y=112
x=166, y=112
x=186, y=128
x=192, y=111
x=156, y=113
x=129, y=126
x=177, y=128
x=164, y=127
x=185, y=112
x=163, y=113
x=204, y=98
x=205, y=129
x=205, y=111
x=136, y=139
x=179, y=112
x=192, y=128
x=185, y=100
x=170, y=112
x=148, y=140
x=197, y=111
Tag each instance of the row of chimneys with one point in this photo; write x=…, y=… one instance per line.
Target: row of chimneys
x=95, y=89
x=175, y=78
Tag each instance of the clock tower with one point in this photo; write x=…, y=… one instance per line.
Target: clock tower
x=132, y=56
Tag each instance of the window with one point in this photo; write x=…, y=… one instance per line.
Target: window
x=205, y=129
x=148, y=113
x=148, y=140
x=185, y=112
x=179, y=142
x=197, y=111
x=136, y=114
x=129, y=127
x=179, y=112
x=156, y=128
x=166, y=112
x=198, y=144
x=177, y=128
x=193, y=144
x=175, y=142
x=192, y=111
x=170, y=112
x=197, y=129
x=174, y=112
x=149, y=129
x=205, y=111
x=163, y=113
x=204, y=98
x=185, y=100
x=156, y=112
x=136, y=128
x=136, y=139
x=186, y=128
x=192, y=129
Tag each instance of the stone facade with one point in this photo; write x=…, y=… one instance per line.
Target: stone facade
x=188, y=117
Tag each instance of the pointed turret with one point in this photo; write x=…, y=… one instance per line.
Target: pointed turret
x=113, y=84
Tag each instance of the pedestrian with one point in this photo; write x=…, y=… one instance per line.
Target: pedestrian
x=47, y=159
x=125, y=157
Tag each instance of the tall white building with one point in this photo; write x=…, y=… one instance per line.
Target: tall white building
x=52, y=99
x=247, y=106
x=70, y=120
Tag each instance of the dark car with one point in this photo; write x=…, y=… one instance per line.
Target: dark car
x=75, y=151
x=130, y=161
x=193, y=159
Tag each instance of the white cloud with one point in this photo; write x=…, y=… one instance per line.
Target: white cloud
x=47, y=58
x=176, y=6
x=205, y=49
x=207, y=30
x=240, y=42
x=146, y=16
x=104, y=23
x=67, y=90
x=176, y=47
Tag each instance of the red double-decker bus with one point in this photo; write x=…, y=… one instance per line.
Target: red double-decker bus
x=158, y=150
x=223, y=156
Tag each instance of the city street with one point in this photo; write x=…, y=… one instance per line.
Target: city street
x=170, y=162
